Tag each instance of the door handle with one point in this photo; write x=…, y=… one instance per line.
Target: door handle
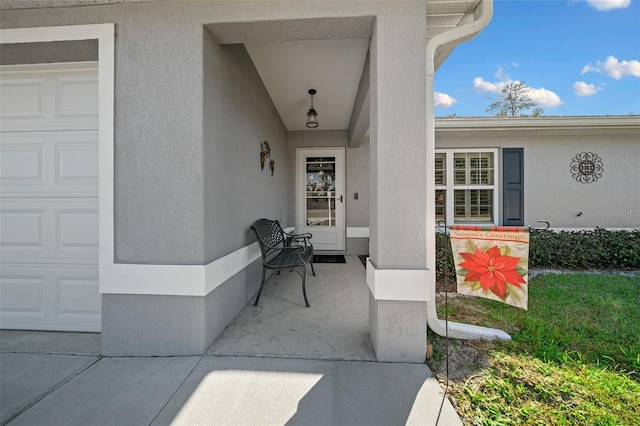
x=341, y=198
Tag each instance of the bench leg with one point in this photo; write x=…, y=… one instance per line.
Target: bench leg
x=264, y=272
x=312, y=270
x=304, y=288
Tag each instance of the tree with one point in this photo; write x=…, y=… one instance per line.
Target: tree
x=515, y=100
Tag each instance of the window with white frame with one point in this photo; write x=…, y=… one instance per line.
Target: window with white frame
x=466, y=186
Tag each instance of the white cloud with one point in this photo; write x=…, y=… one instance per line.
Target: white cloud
x=544, y=97
x=613, y=68
x=581, y=88
x=442, y=100
x=609, y=4
x=541, y=96
x=483, y=86
x=500, y=74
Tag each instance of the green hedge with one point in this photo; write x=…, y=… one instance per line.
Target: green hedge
x=596, y=249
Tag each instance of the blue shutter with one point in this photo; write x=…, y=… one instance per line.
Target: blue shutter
x=513, y=186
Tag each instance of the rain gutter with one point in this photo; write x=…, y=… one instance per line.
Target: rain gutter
x=448, y=40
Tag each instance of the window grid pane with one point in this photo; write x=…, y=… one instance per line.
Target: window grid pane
x=441, y=169
x=460, y=168
x=473, y=205
x=473, y=168
x=441, y=205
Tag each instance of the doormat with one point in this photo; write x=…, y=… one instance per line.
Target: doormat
x=329, y=258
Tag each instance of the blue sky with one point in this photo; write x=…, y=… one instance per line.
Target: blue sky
x=578, y=57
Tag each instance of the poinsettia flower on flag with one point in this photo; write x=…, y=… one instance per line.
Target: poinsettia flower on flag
x=492, y=262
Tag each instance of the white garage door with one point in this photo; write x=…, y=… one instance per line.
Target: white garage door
x=49, y=197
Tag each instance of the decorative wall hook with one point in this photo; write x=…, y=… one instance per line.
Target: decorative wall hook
x=265, y=152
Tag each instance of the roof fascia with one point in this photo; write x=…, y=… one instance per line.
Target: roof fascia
x=537, y=123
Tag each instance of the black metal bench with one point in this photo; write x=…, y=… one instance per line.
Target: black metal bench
x=281, y=250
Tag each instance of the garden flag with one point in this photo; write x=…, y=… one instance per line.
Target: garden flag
x=492, y=262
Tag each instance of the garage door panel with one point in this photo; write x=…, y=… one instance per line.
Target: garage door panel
x=77, y=96
x=23, y=229
x=22, y=99
x=50, y=297
x=77, y=296
x=22, y=164
x=49, y=164
x=77, y=230
x=42, y=97
x=23, y=294
x=49, y=220
x=51, y=228
x=76, y=164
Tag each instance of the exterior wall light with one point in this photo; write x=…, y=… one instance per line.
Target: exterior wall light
x=312, y=115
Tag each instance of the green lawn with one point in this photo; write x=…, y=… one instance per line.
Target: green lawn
x=574, y=358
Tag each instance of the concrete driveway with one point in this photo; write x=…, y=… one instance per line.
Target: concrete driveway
x=84, y=388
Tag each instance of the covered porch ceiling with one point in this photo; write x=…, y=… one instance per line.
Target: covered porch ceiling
x=332, y=62
x=334, y=68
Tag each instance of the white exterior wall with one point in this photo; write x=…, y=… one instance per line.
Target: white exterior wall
x=551, y=193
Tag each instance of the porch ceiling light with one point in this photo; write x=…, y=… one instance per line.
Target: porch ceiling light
x=312, y=115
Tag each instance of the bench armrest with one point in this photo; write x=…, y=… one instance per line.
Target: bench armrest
x=291, y=247
x=299, y=237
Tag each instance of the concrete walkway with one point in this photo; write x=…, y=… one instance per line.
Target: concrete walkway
x=278, y=363
x=53, y=389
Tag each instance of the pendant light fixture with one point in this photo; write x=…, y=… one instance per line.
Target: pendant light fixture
x=312, y=115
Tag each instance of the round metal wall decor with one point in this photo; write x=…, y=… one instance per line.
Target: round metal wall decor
x=586, y=167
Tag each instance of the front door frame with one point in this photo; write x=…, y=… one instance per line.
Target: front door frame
x=340, y=228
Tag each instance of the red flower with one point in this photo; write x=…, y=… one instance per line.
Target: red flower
x=492, y=269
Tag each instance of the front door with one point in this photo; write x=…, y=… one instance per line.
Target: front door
x=320, y=196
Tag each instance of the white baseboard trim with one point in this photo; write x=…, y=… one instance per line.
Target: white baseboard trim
x=175, y=280
x=357, y=232
x=398, y=284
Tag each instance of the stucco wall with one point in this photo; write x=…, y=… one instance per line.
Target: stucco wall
x=551, y=193
x=358, y=181
x=158, y=125
x=160, y=208
x=397, y=139
x=238, y=116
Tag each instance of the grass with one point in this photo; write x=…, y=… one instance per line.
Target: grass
x=574, y=358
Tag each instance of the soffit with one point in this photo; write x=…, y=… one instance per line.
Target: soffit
x=332, y=67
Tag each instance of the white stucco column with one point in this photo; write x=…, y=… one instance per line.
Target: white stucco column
x=396, y=273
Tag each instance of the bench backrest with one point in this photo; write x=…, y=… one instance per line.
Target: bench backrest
x=269, y=233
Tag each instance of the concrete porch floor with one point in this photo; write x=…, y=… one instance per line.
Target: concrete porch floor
x=335, y=327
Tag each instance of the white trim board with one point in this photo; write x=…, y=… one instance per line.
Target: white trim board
x=176, y=280
x=357, y=232
x=398, y=284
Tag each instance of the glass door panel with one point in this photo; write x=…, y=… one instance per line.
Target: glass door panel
x=320, y=203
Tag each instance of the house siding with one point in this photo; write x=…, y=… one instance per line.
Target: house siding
x=552, y=194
